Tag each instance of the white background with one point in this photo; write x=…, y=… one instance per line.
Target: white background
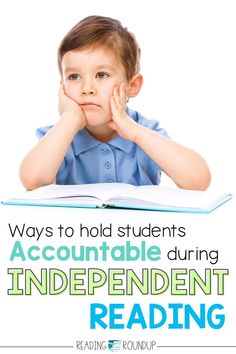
x=188, y=63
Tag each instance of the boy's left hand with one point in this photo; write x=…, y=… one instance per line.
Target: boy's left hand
x=121, y=122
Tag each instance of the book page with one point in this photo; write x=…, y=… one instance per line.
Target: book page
x=101, y=191
x=168, y=196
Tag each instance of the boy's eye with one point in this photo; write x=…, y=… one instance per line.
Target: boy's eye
x=102, y=75
x=73, y=77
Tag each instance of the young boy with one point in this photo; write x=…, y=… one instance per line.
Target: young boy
x=97, y=138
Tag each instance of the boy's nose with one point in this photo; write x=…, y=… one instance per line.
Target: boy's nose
x=87, y=89
x=87, y=92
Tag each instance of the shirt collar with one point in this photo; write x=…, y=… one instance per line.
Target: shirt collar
x=122, y=144
x=83, y=141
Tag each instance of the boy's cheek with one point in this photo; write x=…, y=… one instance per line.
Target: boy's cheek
x=71, y=93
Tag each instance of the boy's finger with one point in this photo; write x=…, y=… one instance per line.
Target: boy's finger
x=123, y=94
x=117, y=97
x=112, y=125
x=117, y=109
x=60, y=93
x=114, y=104
x=61, y=90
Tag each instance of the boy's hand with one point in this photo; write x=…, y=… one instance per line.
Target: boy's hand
x=121, y=122
x=69, y=107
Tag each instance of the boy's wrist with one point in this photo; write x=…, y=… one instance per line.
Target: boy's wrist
x=73, y=119
x=138, y=134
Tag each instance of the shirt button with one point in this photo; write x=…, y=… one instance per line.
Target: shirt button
x=108, y=165
x=110, y=180
x=105, y=151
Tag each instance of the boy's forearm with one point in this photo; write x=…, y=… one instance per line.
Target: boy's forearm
x=183, y=165
x=41, y=164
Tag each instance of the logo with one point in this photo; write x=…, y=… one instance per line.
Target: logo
x=114, y=345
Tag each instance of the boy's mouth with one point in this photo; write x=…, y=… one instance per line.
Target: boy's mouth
x=89, y=104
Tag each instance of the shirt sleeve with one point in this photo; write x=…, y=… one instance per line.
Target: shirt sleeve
x=153, y=124
x=146, y=165
x=40, y=132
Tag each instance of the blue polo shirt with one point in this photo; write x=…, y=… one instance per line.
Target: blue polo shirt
x=91, y=161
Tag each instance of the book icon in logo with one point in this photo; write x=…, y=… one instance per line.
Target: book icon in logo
x=114, y=345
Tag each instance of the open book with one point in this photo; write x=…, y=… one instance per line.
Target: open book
x=121, y=195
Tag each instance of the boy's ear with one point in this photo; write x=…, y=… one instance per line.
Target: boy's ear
x=135, y=85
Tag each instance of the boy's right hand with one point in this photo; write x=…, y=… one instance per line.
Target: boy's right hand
x=68, y=107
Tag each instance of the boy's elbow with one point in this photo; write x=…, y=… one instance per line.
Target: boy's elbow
x=203, y=179
x=200, y=176
x=30, y=180
x=203, y=182
x=198, y=181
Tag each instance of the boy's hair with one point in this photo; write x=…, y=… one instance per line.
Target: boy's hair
x=96, y=31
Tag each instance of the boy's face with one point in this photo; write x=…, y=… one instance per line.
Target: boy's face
x=89, y=77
